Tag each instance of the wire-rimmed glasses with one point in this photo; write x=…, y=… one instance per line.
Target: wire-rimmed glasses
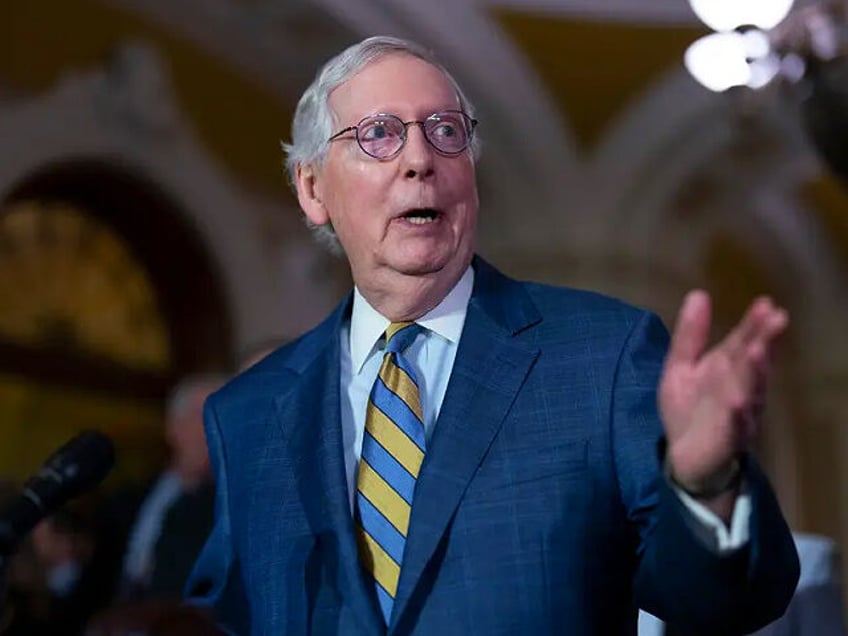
x=382, y=136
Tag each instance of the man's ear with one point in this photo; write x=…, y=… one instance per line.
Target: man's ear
x=309, y=194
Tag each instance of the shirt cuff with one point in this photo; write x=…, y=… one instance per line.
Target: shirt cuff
x=726, y=538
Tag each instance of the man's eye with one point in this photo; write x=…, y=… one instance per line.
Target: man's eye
x=445, y=129
x=376, y=132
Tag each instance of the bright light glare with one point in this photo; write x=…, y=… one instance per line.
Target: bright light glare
x=756, y=44
x=763, y=71
x=718, y=61
x=793, y=67
x=763, y=64
x=726, y=15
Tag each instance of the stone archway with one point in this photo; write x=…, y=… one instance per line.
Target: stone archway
x=111, y=144
x=124, y=116
x=179, y=266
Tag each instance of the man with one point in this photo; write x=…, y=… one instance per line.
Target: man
x=155, y=535
x=62, y=589
x=170, y=524
x=495, y=467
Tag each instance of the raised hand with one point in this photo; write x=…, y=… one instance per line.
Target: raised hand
x=710, y=399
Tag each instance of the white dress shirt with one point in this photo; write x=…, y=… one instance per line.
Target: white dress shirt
x=147, y=527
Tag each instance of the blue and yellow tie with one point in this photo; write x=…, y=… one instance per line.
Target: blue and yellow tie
x=392, y=452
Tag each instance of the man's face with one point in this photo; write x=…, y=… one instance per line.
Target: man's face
x=413, y=214
x=184, y=433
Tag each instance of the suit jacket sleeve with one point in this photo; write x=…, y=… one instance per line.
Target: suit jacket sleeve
x=215, y=582
x=680, y=577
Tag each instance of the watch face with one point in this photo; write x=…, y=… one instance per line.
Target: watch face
x=70, y=283
x=71, y=292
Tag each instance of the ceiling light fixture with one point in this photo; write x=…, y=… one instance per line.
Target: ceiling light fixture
x=727, y=15
x=759, y=42
x=739, y=52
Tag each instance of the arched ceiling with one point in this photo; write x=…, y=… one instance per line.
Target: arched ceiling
x=247, y=61
x=581, y=63
x=241, y=105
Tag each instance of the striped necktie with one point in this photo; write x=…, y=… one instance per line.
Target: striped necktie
x=392, y=452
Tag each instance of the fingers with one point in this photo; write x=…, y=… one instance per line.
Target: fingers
x=757, y=400
x=752, y=337
x=746, y=352
x=756, y=403
x=692, y=329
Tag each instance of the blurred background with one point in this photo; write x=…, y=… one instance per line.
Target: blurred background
x=147, y=229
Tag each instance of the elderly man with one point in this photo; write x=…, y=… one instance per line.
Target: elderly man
x=454, y=452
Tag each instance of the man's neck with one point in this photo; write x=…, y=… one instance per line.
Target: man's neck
x=400, y=297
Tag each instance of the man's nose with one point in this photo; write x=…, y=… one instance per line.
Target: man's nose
x=417, y=153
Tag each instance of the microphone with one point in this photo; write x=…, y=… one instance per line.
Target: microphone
x=79, y=465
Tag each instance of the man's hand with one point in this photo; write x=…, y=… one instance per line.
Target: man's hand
x=710, y=399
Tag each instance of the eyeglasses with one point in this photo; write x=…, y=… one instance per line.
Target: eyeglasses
x=382, y=136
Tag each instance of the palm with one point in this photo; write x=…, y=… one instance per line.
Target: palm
x=708, y=399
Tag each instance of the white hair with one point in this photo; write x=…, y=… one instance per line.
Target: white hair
x=314, y=120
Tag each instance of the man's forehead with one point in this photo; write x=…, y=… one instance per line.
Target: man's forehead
x=392, y=81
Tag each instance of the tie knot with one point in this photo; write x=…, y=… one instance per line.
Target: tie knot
x=399, y=335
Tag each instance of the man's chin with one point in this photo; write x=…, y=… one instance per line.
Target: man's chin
x=428, y=265
x=420, y=270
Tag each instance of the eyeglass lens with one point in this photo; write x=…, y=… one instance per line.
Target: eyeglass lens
x=384, y=135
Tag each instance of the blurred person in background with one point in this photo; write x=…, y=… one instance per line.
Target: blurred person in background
x=258, y=350
x=64, y=546
x=816, y=608
x=21, y=580
x=158, y=533
x=56, y=587
x=154, y=536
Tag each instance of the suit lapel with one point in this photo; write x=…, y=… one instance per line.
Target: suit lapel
x=489, y=370
x=310, y=415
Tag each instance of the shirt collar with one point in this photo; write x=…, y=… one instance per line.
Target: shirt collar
x=446, y=319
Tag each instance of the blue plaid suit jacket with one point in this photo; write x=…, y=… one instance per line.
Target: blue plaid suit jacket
x=540, y=507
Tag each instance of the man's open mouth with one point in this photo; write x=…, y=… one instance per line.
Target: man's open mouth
x=421, y=216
